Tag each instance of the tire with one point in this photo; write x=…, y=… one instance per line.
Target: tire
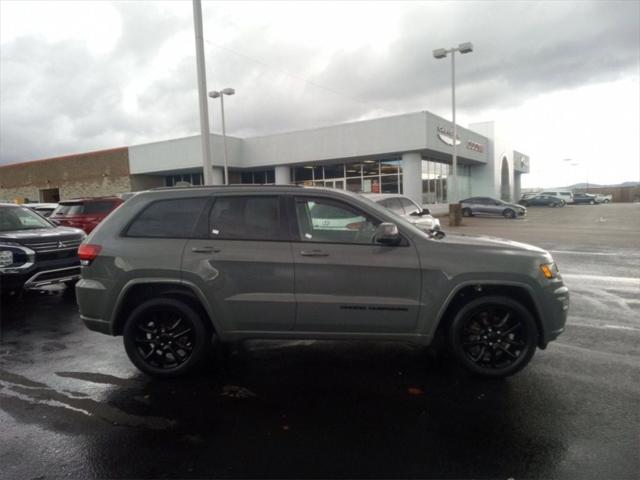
x=478, y=344
x=607, y=200
x=466, y=212
x=165, y=337
x=552, y=205
x=508, y=213
x=591, y=202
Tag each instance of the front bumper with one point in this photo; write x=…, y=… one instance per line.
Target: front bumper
x=40, y=275
x=556, y=301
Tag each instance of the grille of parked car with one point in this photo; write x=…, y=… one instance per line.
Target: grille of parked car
x=54, y=245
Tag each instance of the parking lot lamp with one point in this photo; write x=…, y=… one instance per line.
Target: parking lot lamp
x=439, y=53
x=221, y=94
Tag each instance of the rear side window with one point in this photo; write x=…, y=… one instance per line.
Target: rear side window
x=246, y=218
x=168, y=218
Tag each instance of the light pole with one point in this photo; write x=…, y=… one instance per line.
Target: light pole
x=221, y=94
x=207, y=173
x=439, y=53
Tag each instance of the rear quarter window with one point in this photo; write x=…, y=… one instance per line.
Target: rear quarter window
x=175, y=218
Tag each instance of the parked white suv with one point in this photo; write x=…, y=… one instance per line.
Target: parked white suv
x=565, y=195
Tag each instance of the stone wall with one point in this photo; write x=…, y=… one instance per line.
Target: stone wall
x=84, y=175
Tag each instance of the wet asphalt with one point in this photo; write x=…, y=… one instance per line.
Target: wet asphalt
x=72, y=406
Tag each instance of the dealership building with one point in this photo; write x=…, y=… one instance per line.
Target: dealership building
x=409, y=154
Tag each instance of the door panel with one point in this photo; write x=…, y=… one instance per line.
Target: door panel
x=250, y=283
x=353, y=286
x=243, y=262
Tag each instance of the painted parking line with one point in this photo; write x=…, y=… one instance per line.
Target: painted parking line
x=603, y=327
x=602, y=278
x=601, y=254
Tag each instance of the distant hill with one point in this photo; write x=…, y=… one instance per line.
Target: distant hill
x=597, y=185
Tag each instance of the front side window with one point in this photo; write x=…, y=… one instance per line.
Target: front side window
x=328, y=221
x=246, y=218
x=174, y=218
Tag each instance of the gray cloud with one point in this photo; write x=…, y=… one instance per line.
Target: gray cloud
x=60, y=98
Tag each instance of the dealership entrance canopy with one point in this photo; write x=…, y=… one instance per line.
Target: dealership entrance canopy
x=409, y=154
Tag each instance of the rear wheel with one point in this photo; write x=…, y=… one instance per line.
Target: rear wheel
x=493, y=336
x=466, y=212
x=509, y=213
x=591, y=202
x=165, y=337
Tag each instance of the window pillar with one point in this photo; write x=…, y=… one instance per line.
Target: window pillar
x=412, y=176
x=283, y=175
x=217, y=176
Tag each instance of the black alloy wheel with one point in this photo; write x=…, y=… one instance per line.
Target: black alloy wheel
x=165, y=337
x=493, y=336
x=509, y=213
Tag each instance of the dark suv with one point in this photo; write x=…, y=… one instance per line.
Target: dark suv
x=84, y=213
x=35, y=253
x=172, y=269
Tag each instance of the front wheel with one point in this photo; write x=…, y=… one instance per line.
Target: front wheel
x=591, y=202
x=508, y=213
x=165, y=337
x=466, y=212
x=493, y=336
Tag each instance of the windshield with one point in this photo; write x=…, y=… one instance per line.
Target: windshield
x=20, y=218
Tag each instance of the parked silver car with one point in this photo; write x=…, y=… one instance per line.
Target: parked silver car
x=172, y=269
x=407, y=209
x=491, y=206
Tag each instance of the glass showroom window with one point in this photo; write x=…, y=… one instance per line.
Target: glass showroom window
x=368, y=176
x=434, y=181
x=259, y=177
x=190, y=178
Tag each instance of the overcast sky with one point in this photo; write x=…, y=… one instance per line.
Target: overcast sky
x=562, y=79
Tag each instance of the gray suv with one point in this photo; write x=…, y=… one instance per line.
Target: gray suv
x=171, y=270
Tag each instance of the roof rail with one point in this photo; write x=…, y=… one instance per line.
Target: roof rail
x=244, y=185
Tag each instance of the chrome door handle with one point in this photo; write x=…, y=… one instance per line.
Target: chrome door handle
x=205, y=250
x=313, y=253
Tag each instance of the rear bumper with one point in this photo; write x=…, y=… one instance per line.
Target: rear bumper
x=97, y=325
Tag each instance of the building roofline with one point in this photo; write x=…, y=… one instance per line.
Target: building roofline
x=63, y=157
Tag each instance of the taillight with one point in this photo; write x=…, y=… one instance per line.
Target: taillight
x=87, y=253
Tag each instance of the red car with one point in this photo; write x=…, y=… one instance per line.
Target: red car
x=84, y=213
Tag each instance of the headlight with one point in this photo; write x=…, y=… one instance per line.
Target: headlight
x=549, y=270
x=6, y=258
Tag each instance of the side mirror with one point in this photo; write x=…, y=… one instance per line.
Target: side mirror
x=387, y=234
